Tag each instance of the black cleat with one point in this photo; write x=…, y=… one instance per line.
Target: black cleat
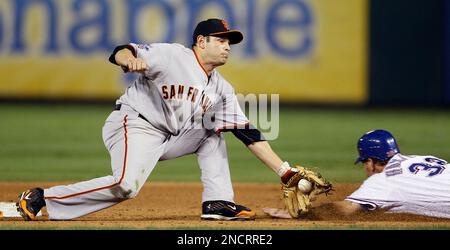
x=225, y=210
x=30, y=203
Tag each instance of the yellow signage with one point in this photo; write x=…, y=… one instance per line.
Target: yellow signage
x=312, y=51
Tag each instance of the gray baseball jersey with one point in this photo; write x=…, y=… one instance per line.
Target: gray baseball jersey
x=171, y=110
x=175, y=92
x=409, y=184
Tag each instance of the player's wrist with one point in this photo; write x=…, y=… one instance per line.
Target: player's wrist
x=285, y=168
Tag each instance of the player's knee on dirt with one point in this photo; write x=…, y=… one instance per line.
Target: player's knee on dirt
x=125, y=191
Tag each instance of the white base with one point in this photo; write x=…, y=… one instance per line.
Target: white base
x=8, y=209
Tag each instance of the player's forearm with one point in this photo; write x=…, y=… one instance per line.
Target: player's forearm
x=123, y=56
x=264, y=153
x=346, y=207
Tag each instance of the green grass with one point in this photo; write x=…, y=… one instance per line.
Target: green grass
x=64, y=143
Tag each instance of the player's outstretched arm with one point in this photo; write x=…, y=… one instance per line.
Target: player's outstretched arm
x=127, y=61
x=258, y=145
x=345, y=208
x=263, y=151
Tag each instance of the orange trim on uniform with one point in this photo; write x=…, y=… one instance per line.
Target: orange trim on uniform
x=110, y=186
x=224, y=32
x=198, y=61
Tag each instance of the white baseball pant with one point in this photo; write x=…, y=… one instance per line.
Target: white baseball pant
x=135, y=147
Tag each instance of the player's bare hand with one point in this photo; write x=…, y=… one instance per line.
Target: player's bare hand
x=136, y=65
x=277, y=213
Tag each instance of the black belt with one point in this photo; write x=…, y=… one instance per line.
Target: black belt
x=118, y=106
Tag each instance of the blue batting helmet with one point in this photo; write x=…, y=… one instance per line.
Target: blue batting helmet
x=378, y=144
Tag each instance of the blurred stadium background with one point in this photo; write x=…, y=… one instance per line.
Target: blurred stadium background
x=340, y=68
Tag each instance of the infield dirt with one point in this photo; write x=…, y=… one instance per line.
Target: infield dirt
x=167, y=205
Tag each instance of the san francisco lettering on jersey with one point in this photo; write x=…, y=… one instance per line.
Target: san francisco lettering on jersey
x=176, y=91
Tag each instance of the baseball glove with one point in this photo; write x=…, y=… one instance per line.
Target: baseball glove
x=296, y=202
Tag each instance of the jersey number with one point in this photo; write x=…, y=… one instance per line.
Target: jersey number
x=434, y=167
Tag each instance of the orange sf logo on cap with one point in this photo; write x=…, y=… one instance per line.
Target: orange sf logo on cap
x=225, y=24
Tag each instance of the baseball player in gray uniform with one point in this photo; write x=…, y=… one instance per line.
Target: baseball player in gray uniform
x=396, y=183
x=178, y=105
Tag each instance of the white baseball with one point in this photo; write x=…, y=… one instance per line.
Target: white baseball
x=304, y=186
